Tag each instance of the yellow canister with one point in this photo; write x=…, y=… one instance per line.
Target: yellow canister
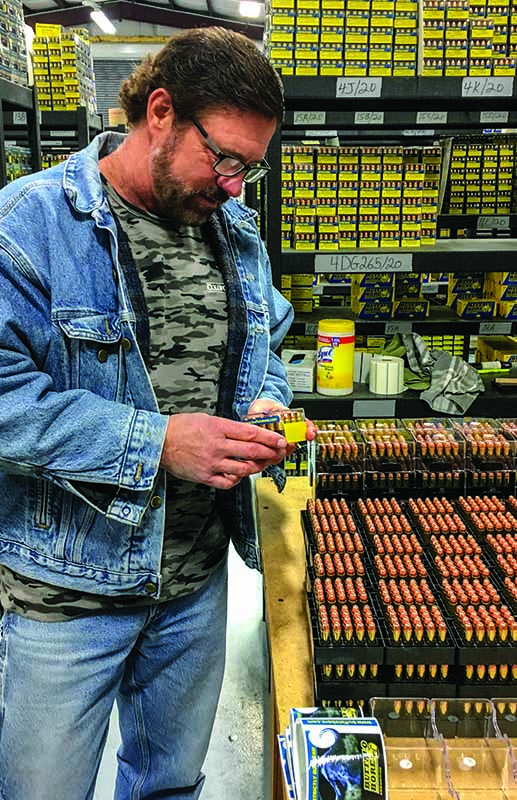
x=335, y=364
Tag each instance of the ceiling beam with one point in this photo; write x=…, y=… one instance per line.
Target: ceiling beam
x=142, y=12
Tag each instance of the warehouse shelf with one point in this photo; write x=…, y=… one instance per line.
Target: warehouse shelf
x=69, y=128
x=441, y=320
x=18, y=117
x=447, y=255
x=362, y=404
x=421, y=93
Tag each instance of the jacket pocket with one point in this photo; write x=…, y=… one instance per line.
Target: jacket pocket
x=95, y=348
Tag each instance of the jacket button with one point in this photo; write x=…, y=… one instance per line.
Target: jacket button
x=156, y=501
x=126, y=343
x=150, y=587
x=102, y=355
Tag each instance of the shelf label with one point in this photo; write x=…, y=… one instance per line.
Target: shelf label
x=501, y=86
x=493, y=222
x=311, y=328
x=309, y=117
x=422, y=132
x=358, y=87
x=369, y=118
x=499, y=328
x=401, y=326
x=363, y=262
x=493, y=116
x=19, y=118
x=373, y=408
x=317, y=134
x=431, y=118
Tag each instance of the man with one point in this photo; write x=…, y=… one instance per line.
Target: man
x=138, y=323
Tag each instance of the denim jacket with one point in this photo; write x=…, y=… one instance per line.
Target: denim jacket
x=81, y=491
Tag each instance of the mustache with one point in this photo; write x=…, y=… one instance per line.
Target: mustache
x=217, y=194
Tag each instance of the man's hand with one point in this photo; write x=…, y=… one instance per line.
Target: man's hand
x=216, y=451
x=265, y=406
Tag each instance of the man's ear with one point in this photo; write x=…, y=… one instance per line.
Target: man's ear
x=160, y=111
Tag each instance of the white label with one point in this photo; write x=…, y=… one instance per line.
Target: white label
x=320, y=134
x=493, y=222
x=402, y=326
x=60, y=133
x=369, y=118
x=423, y=132
x=309, y=117
x=493, y=116
x=373, y=408
x=316, y=290
x=19, y=118
x=358, y=87
x=311, y=328
x=487, y=87
x=499, y=328
x=431, y=117
x=363, y=262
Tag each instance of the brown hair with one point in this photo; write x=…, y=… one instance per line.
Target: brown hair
x=204, y=69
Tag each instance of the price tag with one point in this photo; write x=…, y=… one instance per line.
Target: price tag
x=363, y=262
x=373, y=408
x=493, y=116
x=309, y=117
x=369, y=118
x=311, y=328
x=499, y=328
x=19, y=118
x=317, y=290
x=358, y=87
x=501, y=86
x=401, y=326
x=431, y=118
x=493, y=222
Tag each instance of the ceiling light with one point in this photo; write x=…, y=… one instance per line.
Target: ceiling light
x=249, y=8
x=99, y=17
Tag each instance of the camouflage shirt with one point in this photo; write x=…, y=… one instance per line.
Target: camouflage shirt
x=186, y=301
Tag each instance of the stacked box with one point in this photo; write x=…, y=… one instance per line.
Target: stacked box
x=336, y=198
x=342, y=37
x=481, y=178
x=63, y=69
x=13, y=51
x=18, y=161
x=502, y=287
x=78, y=70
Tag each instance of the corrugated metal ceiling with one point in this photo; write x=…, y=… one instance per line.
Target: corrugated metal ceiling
x=168, y=13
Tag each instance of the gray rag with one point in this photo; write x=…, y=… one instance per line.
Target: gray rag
x=453, y=384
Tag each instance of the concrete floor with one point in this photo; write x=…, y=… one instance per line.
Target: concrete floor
x=235, y=763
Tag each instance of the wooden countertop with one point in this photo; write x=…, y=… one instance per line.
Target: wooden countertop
x=283, y=553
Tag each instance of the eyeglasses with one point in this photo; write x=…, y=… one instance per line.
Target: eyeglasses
x=228, y=166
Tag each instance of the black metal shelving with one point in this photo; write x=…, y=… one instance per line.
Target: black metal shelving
x=359, y=109
x=363, y=404
x=18, y=114
x=71, y=130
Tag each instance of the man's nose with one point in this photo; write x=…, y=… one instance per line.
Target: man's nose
x=231, y=185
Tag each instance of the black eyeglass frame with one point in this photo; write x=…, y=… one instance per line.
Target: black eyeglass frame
x=253, y=172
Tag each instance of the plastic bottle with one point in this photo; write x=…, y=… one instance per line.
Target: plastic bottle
x=335, y=360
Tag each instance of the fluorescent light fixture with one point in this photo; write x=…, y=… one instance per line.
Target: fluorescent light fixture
x=249, y=8
x=100, y=19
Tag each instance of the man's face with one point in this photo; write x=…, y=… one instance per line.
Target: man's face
x=185, y=187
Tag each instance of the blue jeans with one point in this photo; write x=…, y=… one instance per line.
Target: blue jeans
x=163, y=665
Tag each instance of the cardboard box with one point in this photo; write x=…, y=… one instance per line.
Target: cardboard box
x=301, y=369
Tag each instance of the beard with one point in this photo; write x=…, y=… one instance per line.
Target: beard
x=174, y=201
